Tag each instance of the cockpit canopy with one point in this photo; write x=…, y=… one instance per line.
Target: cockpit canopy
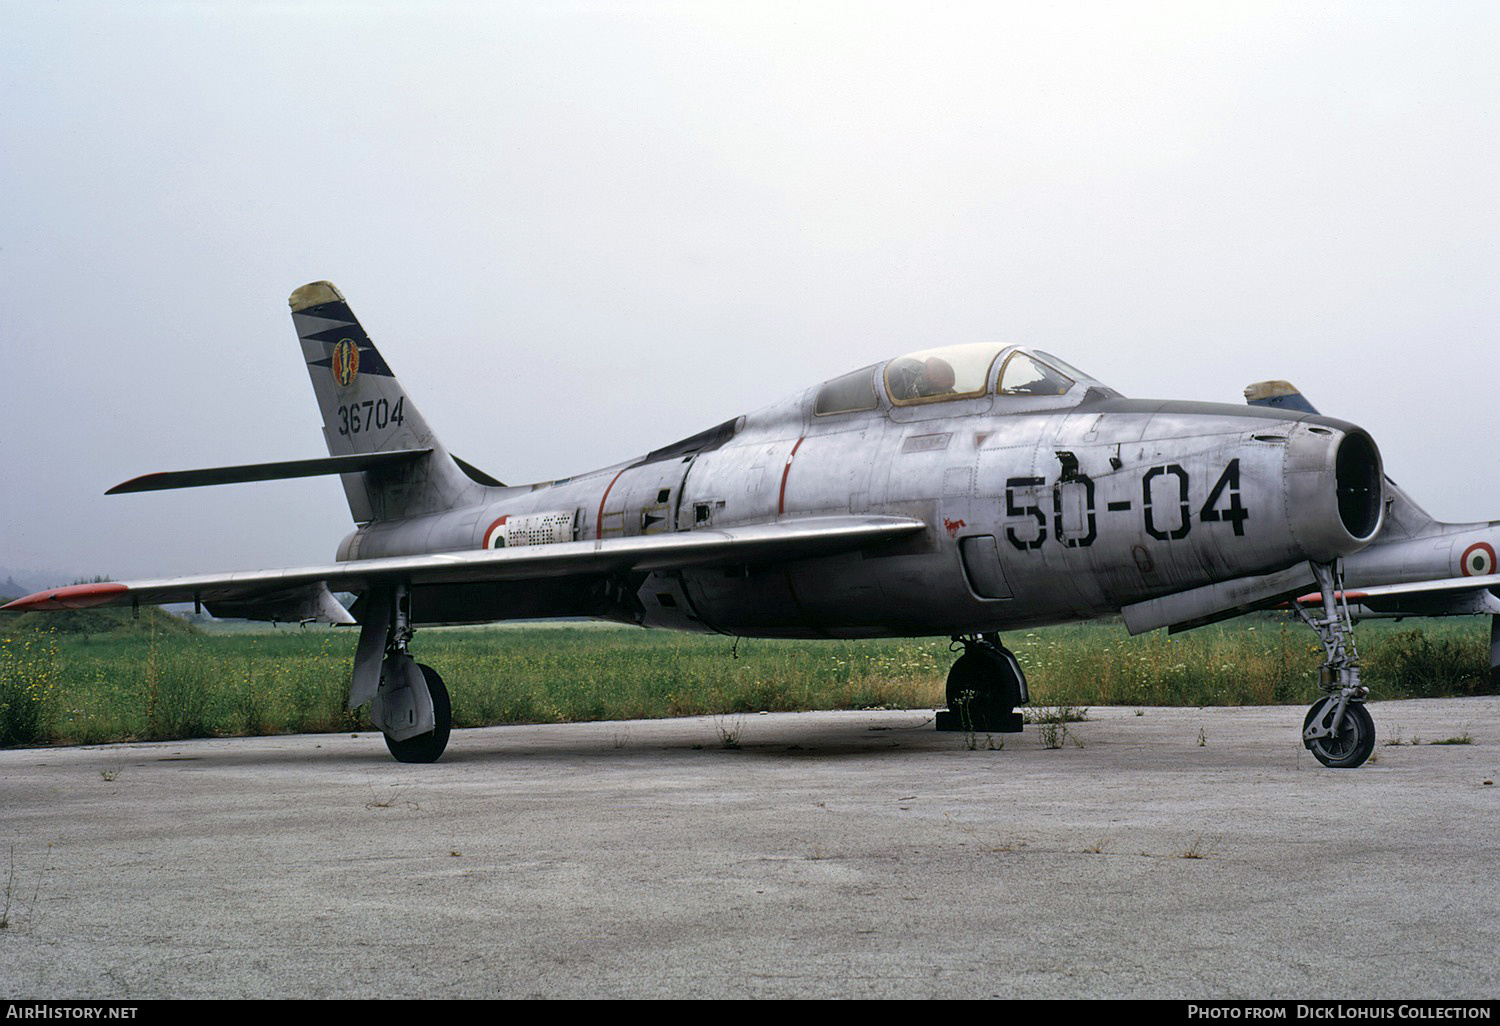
x=950, y=372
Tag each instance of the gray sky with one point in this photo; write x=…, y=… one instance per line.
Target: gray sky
x=678, y=212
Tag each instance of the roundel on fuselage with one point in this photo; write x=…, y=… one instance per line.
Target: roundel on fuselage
x=494, y=537
x=1478, y=560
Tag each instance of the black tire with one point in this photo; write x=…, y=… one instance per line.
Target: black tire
x=1354, y=742
x=427, y=747
x=984, y=681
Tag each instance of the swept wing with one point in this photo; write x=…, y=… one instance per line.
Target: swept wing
x=779, y=542
x=1453, y=596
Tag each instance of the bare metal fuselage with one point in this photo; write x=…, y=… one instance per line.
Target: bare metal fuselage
x=1040, y=509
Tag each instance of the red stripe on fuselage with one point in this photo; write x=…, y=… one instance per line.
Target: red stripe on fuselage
x=599, y=527
x=781, y=498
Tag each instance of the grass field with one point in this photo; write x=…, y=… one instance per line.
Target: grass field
x=152, y=683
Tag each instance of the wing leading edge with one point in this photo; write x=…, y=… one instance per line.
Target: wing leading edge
x=763, y=543
x=1454, y=596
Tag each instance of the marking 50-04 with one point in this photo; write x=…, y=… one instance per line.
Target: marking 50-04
x=370, y=415
x=1168, y=520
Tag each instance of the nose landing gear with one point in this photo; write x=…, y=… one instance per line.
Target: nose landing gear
x=984, y=687
x=1338, y=729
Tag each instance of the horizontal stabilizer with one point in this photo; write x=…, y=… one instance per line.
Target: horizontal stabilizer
x=269, y=471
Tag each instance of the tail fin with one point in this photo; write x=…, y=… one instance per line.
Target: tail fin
x=365, y=410
x=1278, y=394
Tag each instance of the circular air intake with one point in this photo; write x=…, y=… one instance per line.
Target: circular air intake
x=1359, y=480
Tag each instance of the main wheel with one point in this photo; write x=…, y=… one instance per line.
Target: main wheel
x=984, y=682
x=427, y=747
x=1354, y=741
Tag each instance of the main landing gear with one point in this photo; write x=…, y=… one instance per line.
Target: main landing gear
x=408, y=701
x=984, y=687
x=428, y=746
x=1338, y=729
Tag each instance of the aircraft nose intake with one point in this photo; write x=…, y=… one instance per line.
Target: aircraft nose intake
x=1335, y=488
x=1360, y=483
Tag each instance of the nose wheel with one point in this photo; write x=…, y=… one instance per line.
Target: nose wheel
x=1339, y=739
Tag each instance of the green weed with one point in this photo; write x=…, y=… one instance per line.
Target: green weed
x=162, y=684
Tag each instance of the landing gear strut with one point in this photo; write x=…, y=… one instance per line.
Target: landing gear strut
x=984, y=687
x=408, y=701
x=1338, y=729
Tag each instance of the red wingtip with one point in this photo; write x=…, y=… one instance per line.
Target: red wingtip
x=75, y=596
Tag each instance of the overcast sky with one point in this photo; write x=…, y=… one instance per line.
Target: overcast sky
x=582, y=230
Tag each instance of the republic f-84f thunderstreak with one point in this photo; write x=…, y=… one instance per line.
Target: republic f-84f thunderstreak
x=961, y=491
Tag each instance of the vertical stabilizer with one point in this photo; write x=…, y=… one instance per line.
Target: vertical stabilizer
x=1280, y=395
x=365, y=410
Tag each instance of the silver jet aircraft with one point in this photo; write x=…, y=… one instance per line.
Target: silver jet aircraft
x=960, y=491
